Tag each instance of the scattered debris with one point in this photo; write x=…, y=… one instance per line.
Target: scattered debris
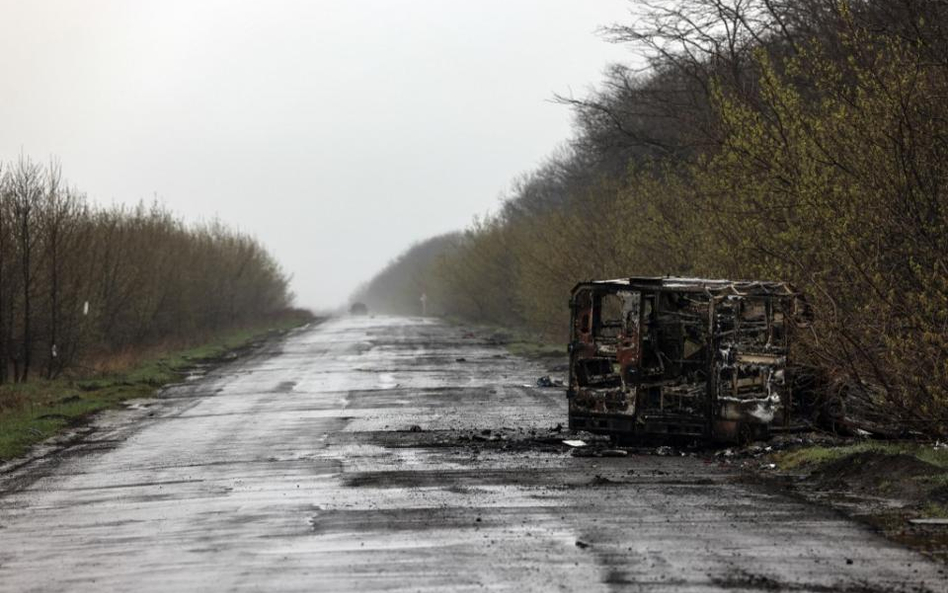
x=547, y=381
x=487, y=435
x=930, y=521
x=602, y=481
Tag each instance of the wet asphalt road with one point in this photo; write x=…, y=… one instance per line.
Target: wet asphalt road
x=297, y=469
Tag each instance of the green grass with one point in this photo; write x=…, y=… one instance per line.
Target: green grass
x=517, y=342
x=34, y=411
x=528, y=348
x=811, y=457
x=935, y=510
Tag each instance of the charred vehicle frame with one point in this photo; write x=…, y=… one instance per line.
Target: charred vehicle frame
x=680, y=357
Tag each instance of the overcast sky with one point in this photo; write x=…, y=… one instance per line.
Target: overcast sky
x=338, y=132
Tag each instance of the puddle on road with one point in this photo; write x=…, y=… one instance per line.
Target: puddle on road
x=387, y=381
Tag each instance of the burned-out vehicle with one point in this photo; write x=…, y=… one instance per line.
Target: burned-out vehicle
x=680, y=357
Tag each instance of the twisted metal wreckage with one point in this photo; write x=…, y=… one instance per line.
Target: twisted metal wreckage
x=681, y=357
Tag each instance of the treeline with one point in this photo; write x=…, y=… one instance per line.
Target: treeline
x=78, y=281
x=800, y=140
x=399, y=287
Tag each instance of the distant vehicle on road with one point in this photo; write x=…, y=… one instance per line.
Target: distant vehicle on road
x=680, y=357
x=358, y=309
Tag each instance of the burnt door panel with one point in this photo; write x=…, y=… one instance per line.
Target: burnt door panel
x=602, y=357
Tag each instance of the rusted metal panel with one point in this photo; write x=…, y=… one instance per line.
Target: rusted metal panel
x=679, y=356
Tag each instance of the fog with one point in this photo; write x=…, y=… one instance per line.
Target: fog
x=337, y=132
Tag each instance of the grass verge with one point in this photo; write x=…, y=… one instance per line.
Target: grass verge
x=811, y=458
x=887, y=485
x=34, y=411
x=527, y=347
x=517, y=342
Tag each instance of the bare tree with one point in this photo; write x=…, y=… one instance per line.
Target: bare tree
x=27, y=193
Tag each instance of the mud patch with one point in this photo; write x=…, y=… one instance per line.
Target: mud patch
x=416, y=437
x=413, y=519
x=449, y=479
x=745, y=581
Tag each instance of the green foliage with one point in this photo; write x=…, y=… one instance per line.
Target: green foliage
x=935, y=510
x=835, y=180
